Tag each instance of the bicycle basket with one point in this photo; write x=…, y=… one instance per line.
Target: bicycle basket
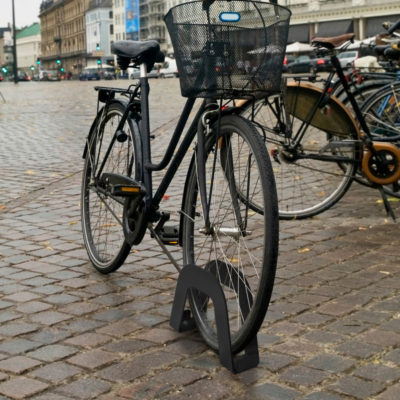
x=229, y=48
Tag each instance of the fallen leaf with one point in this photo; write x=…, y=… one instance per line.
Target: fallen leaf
x=30, y=172
x=304, y=250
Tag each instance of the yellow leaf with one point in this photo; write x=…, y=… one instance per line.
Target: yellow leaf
x=30, y=172
x=73, y=223
x=362, y=228
x=49, y=248
x=384, y=272
x=304, y=250
x=391, y=199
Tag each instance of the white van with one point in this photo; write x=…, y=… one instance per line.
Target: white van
x=169, y=69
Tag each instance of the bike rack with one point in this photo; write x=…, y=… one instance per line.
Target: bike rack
x=193, y=277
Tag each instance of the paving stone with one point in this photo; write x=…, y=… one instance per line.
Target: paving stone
x=56, y=372
x=381, y=337
x=17, y=328
x=391, y=393
x=129, y=370
x=88, y=388
x=275, y=361
x=128, y=346
x=18, y=364
x=378, y=372
x=358, y=349
x=300, y=375
x=20, y=388
x=322, y=396
x=120, y=328
x=49, y=317
x=32, y=307
x=270, y=391
x=88, y=340
x=356, y=387
x=93, y=359
x=330, y=362
x=393, y=356
x=162, y=383
x=53, y=352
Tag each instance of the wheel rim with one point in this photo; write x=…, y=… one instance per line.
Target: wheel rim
x=102, y=213
x=233, y=252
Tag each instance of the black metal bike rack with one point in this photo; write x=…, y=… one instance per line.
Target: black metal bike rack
x=193, y=277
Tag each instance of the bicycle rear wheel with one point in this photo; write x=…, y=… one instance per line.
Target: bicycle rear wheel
x=312, y=175
x=101, y=212
x=240, y=245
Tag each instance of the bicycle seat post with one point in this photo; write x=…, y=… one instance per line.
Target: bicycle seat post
x=145, y=129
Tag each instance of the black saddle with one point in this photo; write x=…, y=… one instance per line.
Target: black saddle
x=139, y=52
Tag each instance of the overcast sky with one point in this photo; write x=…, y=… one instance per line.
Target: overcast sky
x=26, y=12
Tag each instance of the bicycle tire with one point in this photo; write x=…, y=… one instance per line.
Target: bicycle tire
x=101, y=214
x=383, y=122
x=305, y=186
x=242, y=245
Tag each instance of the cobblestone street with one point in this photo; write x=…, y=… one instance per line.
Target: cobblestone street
x=67, y=332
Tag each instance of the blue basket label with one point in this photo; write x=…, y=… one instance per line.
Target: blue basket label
x=229, y=16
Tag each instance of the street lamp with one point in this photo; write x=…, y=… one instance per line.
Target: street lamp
x=15, y=46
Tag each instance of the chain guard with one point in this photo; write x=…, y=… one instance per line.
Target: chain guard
x=134, y=220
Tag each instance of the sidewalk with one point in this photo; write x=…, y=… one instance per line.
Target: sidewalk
x=68, y=332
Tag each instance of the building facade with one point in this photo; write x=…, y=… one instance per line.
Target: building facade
x=99, y=26
x=140, y=20
x=28, y=49
x=334, y=17
x=6, y=49
x=63, y=30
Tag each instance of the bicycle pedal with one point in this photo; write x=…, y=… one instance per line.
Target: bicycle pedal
x=168, y=235
x=121, y=185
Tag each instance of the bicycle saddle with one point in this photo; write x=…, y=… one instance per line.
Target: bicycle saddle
x=334, y=41
x=139, y=52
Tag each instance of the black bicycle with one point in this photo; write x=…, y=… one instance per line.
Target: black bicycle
x=219, y=230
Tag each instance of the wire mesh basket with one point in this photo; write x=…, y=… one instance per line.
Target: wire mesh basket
x=228, y=48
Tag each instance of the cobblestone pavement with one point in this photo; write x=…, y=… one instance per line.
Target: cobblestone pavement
x=68, y=332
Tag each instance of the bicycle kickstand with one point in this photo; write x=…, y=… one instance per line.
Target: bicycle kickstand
x=386, y=203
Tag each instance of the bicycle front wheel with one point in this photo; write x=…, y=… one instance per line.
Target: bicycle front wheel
x=239, y=245
x=101, y=212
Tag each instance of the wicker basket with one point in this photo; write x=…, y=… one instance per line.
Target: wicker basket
x=228, y=49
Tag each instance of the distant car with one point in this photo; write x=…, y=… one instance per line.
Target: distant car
x=169, y=69
x=49, y=75
x=302, y=64
x=90, y=74
x=136, y=73
x=347, y=58
x=323, y=64
x=288, y=59
x=21, y=77
x=1, y=78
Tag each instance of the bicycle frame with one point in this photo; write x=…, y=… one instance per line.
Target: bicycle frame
x=171, y=161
